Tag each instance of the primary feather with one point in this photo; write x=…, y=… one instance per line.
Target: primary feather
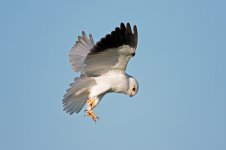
x=80, y=50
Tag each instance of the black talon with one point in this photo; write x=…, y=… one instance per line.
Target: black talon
x=96, y=119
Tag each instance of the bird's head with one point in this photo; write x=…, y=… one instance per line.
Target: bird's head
x=133, y=87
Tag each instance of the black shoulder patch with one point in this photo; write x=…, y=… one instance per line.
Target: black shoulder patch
x=122, y=35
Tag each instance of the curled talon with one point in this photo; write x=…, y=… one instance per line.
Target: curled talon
x=95, y=118
x=92, y=115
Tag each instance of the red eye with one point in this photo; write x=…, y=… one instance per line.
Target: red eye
x=134, y=89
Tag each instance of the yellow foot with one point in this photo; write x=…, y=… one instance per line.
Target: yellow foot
x=92, y=115
x=91, y=103
x=89, y=111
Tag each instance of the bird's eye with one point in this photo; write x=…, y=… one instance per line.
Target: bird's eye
x=133, y=54
x=134, y=89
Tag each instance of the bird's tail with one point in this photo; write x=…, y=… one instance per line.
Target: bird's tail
x=77, y=95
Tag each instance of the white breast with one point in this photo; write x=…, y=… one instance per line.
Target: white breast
x=111, y=82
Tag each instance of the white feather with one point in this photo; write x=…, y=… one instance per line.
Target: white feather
x=113, y=81
x=80, y=50
x=111, y=59
x=77, y=94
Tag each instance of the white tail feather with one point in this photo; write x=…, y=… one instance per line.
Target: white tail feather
x=77, y=95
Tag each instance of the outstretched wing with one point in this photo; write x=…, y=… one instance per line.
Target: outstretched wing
x=80, y=50
x=111, y=53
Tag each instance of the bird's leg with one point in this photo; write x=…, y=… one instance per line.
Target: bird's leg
x=92, y=115
x=91, y=103
x=89, y=111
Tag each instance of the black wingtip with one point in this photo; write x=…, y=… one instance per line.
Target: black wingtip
x=122, y=35
x=122, y=25
x=135, y=34
x=128, y=26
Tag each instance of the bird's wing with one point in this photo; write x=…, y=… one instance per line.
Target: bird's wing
x=80, y=50
x=77, y=95
x=112, y=52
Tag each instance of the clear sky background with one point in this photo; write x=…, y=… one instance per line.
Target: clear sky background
x=180, y=65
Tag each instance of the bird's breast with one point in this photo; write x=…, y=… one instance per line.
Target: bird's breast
x=113, y=82
x=119, y=84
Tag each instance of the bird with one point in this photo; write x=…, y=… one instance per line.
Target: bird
x=102, y=68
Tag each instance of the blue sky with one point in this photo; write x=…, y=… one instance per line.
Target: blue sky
x=180, y=65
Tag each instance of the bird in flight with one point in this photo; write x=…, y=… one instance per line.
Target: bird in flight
x=102, y=67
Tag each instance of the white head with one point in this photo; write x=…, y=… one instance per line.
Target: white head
x=133, y=87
